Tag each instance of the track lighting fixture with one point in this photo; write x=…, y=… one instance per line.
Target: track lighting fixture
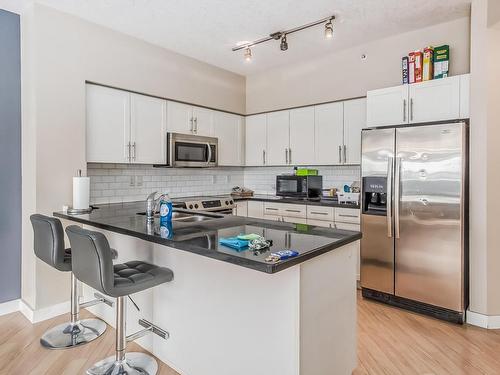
x=284, y=43
x=329, y=29
x=281, y=36
x=248, y=54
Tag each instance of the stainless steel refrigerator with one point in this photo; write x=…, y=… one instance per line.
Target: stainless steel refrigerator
x=414, y=251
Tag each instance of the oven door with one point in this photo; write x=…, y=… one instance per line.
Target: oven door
x=291, y=186
x=191, y=151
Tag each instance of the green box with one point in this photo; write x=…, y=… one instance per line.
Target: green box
x=306, y=172
x=441, y=61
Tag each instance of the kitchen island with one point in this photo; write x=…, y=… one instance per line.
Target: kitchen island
x=232, y=312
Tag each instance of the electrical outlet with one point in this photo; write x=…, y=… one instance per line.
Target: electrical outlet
x=132, y=181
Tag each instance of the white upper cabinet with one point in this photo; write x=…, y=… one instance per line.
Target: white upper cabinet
x=229, y=129
x=148, y=129
x=278, y=139
x=329, y=130
x=203, y=120
x=301, y=150
x=108, y=125
x=188, y=119
x=179, y=118
x=387, y=106
x=255, y=140
x=435, y=100
x=354, y=122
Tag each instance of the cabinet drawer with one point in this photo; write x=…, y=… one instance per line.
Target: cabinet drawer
x=294, y=210
x=321, y=213
x=347, y=215
x=273, y=217
x=273, y=209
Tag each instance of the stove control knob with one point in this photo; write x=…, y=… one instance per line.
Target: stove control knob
x=196, y=205
x=231, y=201
x=227, y=203
x=190, y=206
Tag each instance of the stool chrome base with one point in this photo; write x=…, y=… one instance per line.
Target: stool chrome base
x=69, y=335
x=133, y=364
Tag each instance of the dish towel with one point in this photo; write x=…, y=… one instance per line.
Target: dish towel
x=234, y=243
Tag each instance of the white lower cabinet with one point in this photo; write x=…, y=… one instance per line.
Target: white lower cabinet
x=241, y=208
x=347, y=215
x=295, y=220
x=255, y=209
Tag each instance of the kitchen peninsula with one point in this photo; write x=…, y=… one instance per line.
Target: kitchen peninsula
x=230, y=312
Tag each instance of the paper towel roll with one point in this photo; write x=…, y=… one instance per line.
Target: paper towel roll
x=81, y=193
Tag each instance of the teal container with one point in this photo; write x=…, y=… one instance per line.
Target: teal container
x=166, y=209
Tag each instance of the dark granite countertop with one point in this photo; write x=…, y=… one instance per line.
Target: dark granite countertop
x=309, y=202
x=202, y=238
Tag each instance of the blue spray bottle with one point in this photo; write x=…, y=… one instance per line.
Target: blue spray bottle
x=165, y=209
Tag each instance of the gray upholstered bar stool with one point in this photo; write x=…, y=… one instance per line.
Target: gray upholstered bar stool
x=49, y=247
x=92, y=265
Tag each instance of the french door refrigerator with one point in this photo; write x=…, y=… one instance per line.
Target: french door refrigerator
x=414, y=251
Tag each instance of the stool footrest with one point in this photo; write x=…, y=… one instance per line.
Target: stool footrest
x=154, y=329
x=99, y=299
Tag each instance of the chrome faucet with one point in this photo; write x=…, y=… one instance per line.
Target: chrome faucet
x=152, y=205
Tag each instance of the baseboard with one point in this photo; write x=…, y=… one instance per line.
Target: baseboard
x=9, y=307
x=35, y=316
x=483, y=321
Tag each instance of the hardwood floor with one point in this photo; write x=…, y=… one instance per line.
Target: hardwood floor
x=391, y=342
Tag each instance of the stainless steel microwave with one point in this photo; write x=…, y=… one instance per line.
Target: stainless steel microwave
x=299, y=186
x=186, y=150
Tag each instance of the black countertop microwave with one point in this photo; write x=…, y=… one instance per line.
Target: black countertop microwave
x=299, y=186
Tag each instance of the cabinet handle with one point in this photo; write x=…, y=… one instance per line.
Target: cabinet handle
x=128, y=152
x=345, y=154
x=340, y=154
x=404, y=110
x=271, y=209
x=134, y=148
x=298, y=211
x=411, y=109
x=263, y=156
x=286, y=156
x=319, y=213
x=196, y=124
x=290, y=155
x=355, y=216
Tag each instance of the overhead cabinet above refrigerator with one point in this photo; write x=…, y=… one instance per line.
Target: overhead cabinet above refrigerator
x=413, y=218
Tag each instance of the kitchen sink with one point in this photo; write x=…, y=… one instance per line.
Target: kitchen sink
x=188, y=217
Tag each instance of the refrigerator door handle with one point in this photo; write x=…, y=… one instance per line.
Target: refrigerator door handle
x=390, y=162
x=397, y=183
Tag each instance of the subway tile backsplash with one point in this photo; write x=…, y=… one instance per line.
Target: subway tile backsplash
x=115, y=183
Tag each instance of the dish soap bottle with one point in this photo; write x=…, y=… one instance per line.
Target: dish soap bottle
x=165, y=209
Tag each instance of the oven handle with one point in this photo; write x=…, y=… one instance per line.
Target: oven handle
x=209, y=153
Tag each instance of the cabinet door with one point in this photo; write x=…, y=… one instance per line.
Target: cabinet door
x=354, y=121
x=255, y=140
x=435, y=100
x=108, y=125
x=329, y=129
x=228, y=129
x=180, y=118
x=295, y=220
x=203, y=121
x=301, y=149
x=278, y=137
x=148, y=128
x=387, y=106
x=255, y=209
x=465, y=96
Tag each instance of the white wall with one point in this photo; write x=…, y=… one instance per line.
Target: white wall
x=343, y=74
x=484, y=162
x=61, y=52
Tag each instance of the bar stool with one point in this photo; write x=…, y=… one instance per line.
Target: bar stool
x=49, y=247
x=92, y=265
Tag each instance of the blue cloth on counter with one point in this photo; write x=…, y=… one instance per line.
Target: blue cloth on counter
x=234, y=243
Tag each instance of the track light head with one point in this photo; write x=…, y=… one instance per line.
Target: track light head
x=284, y=43
x=248, y=54
x=329, y=29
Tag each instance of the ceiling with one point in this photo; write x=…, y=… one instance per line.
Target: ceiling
x=207, y=29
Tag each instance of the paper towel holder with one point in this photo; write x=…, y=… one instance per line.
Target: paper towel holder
x=79, y=211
